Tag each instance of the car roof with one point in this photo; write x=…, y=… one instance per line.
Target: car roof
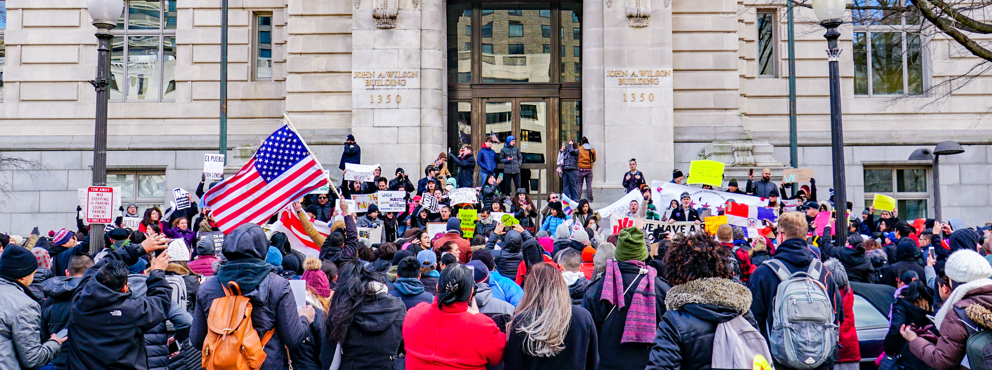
x=880, y=296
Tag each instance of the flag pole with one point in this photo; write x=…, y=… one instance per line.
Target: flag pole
x=291, y=127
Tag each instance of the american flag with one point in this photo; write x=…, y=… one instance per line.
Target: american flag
x=281, y=171
x=290, y=224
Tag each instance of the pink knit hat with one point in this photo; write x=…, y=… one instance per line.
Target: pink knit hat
x=44, y=259
x=316, y=280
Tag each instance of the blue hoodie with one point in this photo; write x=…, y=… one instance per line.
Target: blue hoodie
x=505, y=289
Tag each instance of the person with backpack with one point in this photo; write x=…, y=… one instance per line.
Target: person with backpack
x=246, y=279
x=706, y=307
x=791, y=271
x=964, y=320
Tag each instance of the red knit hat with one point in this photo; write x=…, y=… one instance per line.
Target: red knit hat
x=316, y=280
x=588, y=254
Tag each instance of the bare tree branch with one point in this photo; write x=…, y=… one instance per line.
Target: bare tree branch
x=971, y=24
x=948, y=28
x=14, y=165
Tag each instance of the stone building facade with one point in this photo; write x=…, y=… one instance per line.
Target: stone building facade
x=663, y=81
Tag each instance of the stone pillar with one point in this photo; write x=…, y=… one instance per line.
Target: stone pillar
x=434, y=85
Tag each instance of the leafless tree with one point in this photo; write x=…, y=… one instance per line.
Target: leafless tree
x=13, y=166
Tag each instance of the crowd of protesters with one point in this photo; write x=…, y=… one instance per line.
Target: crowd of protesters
x=543, y=289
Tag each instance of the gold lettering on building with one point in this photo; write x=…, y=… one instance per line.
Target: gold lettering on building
x=638, y=77
x=391, y=78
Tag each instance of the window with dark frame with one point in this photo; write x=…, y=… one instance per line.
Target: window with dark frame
x=263, y=47
x=767, y=42
x=888, y=50
x=143, y=52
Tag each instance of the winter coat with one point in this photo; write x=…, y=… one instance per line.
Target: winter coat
x=505, y=289
x=352, y=154
x=759, y=257
x=613, y=354
x=188, y=236
x=508, y=259
x=270, y=294
x=571, y=158
x=684, y=339
x=373, y=338
x=950, y=347
x=761, y=188
x=41, y=275
x=796, y=255
x=685, y=215
x=324, y=212
x=905, y=313
x=344, y=253
x=849, y=350
x=511, y=166
x=490, y=193
x=907, y=255
x=858, y=265
x=466, y=168
x=307, y=355
x=411, y=291
x=487, y=159
x=551, y=223
x=577, y=289
x=401, y=184
x=636, y=180
x=108, y=326
x=55, y=309
x=580, y=352
x=21, y=342
x=203, y=265
x=500, y=311
x=587, y=156
x=62, y=255
x=527, y=219
x=437, y=338
x=422, y=184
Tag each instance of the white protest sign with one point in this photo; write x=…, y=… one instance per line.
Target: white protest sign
x=430, y=203
x=358, y=172
x=326, y=188
x=362, y=202
x=213, y=166
x=391, y=201
x=619, y=222
x=434, y=228
x=99, y=205
x=622, y=206
x=372, y=234
x=299, y=292
x=663, y=193
x=463, y=195
x=182, y=198
x=131, y=223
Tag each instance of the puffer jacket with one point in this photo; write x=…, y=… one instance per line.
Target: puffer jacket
x=21, y=343
x=55, y=309
x=571, y=158
x=858, y=265
x=907, y=257
x=587, y=156
x=510, y=256
x=505, y=289
x=511, y=166
x=37, y=285
x=905, y=313
x=950, y=347
x=684, y=339
x=373, y=338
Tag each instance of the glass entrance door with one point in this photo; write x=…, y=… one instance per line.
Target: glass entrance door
x=526, y=120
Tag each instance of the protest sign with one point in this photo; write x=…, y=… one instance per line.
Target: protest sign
x=622, y=206
x=463, y=195
x=791, y=175
x=218, y=240
x=299, y=292
x=706, y=172
x=326, y=188
x=358, y=172
x=791, y=205
x=213, y=166
x=663, y=193
x=430, y=203
x=822, y=220
x=99, y=205
x=373, y=234
x=498, y=216
x=713, y=223
x=618, y=223
x=434, y=228
x=468, y=218
x=362, y=202
x=391, y=201
x=131, y=223
x=508, y=220
x=884, y=203
x=182, y=198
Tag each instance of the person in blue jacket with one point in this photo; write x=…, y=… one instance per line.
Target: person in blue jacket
x=487, y=160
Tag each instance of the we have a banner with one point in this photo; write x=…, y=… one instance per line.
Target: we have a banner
x=618, y=222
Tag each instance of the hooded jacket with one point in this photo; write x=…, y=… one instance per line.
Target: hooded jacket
x=487, y=160
x=438, y=338
x=580, y=352
x=907, y=255
x=505, y=289
x=500, y=311
x=685, y=335
x=510, y=166
x=509, y=258
x=107, y=326
x=373, y=337
x=352, y=154
x=340, y=254
x=587, y=156
x=55, y=309
x=858, y=266
x=21, y=341
x=411, y=292
x=157, y=338
x=271, y=296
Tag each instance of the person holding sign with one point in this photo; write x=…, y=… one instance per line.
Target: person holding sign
x=685, y=213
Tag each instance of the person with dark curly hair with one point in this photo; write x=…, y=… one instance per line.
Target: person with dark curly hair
x=703, y=296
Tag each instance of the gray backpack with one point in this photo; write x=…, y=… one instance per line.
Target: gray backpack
x=803, y=334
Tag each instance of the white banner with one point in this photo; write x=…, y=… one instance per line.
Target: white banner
x=372, y=234
x=391, y=201
x=358, y=172
x=463, y=195
x=131, y=223
x=618, y=223
x=622, y=206
x=663, y=193
x=213, y=166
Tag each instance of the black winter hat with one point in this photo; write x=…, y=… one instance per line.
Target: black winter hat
x=733, y=182
x=676, y=174
x=313, y=209
x=486, y=257
x=400, y=255
x=17, y=262
x=119, y=234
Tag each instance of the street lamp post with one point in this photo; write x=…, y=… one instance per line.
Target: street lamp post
x=830, y=13
x=105, y=14
x=944, y=148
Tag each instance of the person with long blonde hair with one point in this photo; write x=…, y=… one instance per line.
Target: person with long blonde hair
x=547, y=331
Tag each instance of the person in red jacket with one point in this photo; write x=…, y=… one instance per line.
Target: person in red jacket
x=436, y=334
x=849, y=352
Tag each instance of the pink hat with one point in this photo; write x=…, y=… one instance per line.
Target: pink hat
x=316, y=279
x=44, y=259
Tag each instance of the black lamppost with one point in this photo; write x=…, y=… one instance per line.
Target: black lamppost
x=944, y=148
x=105, y=14
x=831, y=14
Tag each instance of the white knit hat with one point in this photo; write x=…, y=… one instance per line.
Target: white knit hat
x=178, y=251
x=580, y=236
x=965, y=266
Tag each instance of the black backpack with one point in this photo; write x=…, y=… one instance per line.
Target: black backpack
x=978, y=348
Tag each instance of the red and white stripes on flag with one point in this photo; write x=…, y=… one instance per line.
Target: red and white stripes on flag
x=281, y=171
x=289, y=223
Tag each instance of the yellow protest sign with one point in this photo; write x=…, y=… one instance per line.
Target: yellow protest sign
x=468, y=218
x=714, y=222
x=884, y=203
x=706, y=172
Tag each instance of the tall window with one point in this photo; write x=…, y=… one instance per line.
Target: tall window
x=145, y=188
x=263, y=47
x=888, y=54
x=909, y=185
x=767, y=56
x=143, y=59
x=3, y=45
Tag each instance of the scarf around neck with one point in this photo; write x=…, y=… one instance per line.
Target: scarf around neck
x=642, y=315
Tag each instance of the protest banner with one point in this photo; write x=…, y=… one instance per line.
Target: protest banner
x=791, y=175
x=463, y=195
x=362, y=202
x=618, y=223
x=430, y=203
x=358, y=172
x=663, y=193
x=468, y=218
x=99, y=205
x=391, y=201
x=706, y=172
x=326, y=188
x=791, y=205
x=622, y=206
x=373, y=234
x=713, y=223
x=213, y=166
x=434, y=228
x=182, y=198
x=131, y=223
x=884, y=203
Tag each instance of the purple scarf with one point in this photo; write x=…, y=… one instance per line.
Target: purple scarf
x=642, y=317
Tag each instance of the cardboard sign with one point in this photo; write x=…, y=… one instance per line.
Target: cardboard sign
x=391, y=201
x=823, y=220
x=362, y=202
x=884, y=203
x=372, y=234
x=132, y=223
x=182, y=198
x=213, y=166
x=791, y=175
x=358, y=172
x=299, y=292
x=463, y=195
x=430, y=203
x=434, y=228
x=326, y=188
x=713, y=223
x=706, y=172
x=468, y=218
x=99, y=205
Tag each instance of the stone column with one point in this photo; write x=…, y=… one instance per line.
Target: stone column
x=434, y=85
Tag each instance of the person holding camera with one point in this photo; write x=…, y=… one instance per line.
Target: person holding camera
x=401, y=182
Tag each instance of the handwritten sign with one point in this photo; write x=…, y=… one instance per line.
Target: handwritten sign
x=706, y=172
x=791, y=175
x=372, y=234
x=884, y=203
x=213, y=166
x=327, y=187
x=182, y=198
x=464, y=195
x=132, y=223
x=434, y=228
x=468, y=218
x=713, y=223
x=358, y=172
x=99, y=205
x=362, y=202
x=391, y=201
x=218, y=241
